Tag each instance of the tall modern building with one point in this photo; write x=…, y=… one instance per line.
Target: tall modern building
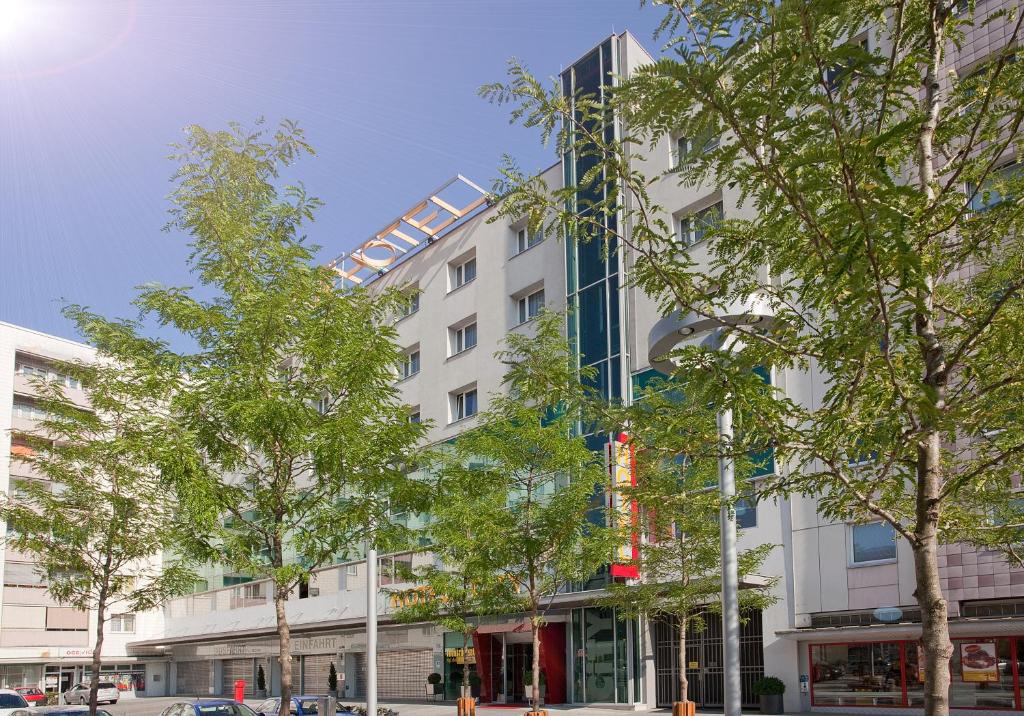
x=44, y=643
x=842, y=634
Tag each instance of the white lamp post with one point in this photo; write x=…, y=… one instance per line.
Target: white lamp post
x=371, y=629
x=666, y=335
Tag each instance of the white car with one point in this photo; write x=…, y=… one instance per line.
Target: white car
x=79, y=694
x=12, y=703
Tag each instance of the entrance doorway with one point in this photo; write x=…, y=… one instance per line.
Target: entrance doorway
x=704, y=668
x=518, y=661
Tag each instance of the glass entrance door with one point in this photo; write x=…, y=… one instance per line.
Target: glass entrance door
x=518, y=660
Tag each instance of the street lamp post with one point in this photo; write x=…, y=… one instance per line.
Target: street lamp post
x=371, y=629
x=666, y=335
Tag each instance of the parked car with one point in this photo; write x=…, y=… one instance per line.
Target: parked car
x=301, y=706
x=33, y=695
x=66, y=711
x=79, y=694
x=207, y=707
x=12, y=703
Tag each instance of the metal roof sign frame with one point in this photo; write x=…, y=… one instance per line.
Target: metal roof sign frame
x=420, y=225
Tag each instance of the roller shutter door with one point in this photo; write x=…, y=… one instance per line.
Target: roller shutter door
x=402, y=674
x=193, y=678
x=315, y=669
x=234, y=669
x=297, y=688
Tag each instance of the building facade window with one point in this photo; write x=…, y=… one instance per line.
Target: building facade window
x=463, y=273
x=993, y=191
x=122, y=623
x=414, y=416
x=694, y=228
x=462, y=338
x=323, y=405
x=47, y=373
x=411, y=364
x=411, y=304
x=529, y=307
x=25, y=409
x=464, y=404
x=526, y=239
x=872, y=543
x=746, y=513
x=685, y=148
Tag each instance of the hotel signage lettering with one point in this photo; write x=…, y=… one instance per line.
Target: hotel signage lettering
x=424, y=222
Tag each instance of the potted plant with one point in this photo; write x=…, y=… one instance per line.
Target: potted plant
x=261, y=683
x=332, y=682
x=435, y=680
x=528, y=682
x=474, y=684
x=769, y=689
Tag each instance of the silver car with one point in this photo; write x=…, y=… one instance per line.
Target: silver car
x=79, y=694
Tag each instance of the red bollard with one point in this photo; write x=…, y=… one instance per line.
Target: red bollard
x=240, y=690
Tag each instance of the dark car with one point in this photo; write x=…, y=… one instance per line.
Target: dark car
x=208, y=707
x=33, y=695
x=301, y=706
x=67, y=711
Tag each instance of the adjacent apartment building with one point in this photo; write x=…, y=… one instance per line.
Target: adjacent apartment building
x=842, y=634
x=43, y=643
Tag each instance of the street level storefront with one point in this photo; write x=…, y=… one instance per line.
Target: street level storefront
x=132, y=678
x=984, y=671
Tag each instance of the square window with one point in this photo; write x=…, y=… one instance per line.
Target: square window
x=463, y=273
x=526, y=239
x=351, y=569
x=872, y=542
x=323, y=405
x=993, y=192
x=464, y=405
x=411, y=364
x=746, y=513
x=694, y=228
x=462, y=339
x=414, y=416
x=412, y=304
x=529, y=307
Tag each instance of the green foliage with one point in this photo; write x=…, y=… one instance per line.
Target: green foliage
x=332, y=678
x=434, y=678
x=769, y=686
x=261, y=679
x=519, y=487
x=293, y=444
x=677, y=471
x=878, y=218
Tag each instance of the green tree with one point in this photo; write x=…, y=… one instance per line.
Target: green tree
x=458, y=587
x=526, y=475
x=295, y=441
x=680, y=554
x=100, y=518
x=881, y=223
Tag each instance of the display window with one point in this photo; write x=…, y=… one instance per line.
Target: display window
x=984, y=671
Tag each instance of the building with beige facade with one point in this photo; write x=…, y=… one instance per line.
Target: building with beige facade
x=43, y=643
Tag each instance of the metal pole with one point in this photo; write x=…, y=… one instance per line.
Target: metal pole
x=730, y=576
x=371, y=631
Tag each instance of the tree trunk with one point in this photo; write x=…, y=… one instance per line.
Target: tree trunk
x=535, y=688
x=684, y=683
x=284, y=657
x=465, y=665
x=934, y=618
x=97, y=653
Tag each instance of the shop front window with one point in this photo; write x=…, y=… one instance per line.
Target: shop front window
x=865, y=674
x=984, y=674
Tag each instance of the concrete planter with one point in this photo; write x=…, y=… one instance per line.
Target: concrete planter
x=771, y=703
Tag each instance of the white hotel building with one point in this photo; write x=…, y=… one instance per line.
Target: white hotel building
x=842, y=634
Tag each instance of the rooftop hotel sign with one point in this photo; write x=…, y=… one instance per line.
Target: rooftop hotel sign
x=423, y=223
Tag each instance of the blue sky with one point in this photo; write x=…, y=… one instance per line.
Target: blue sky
x=93, y=92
